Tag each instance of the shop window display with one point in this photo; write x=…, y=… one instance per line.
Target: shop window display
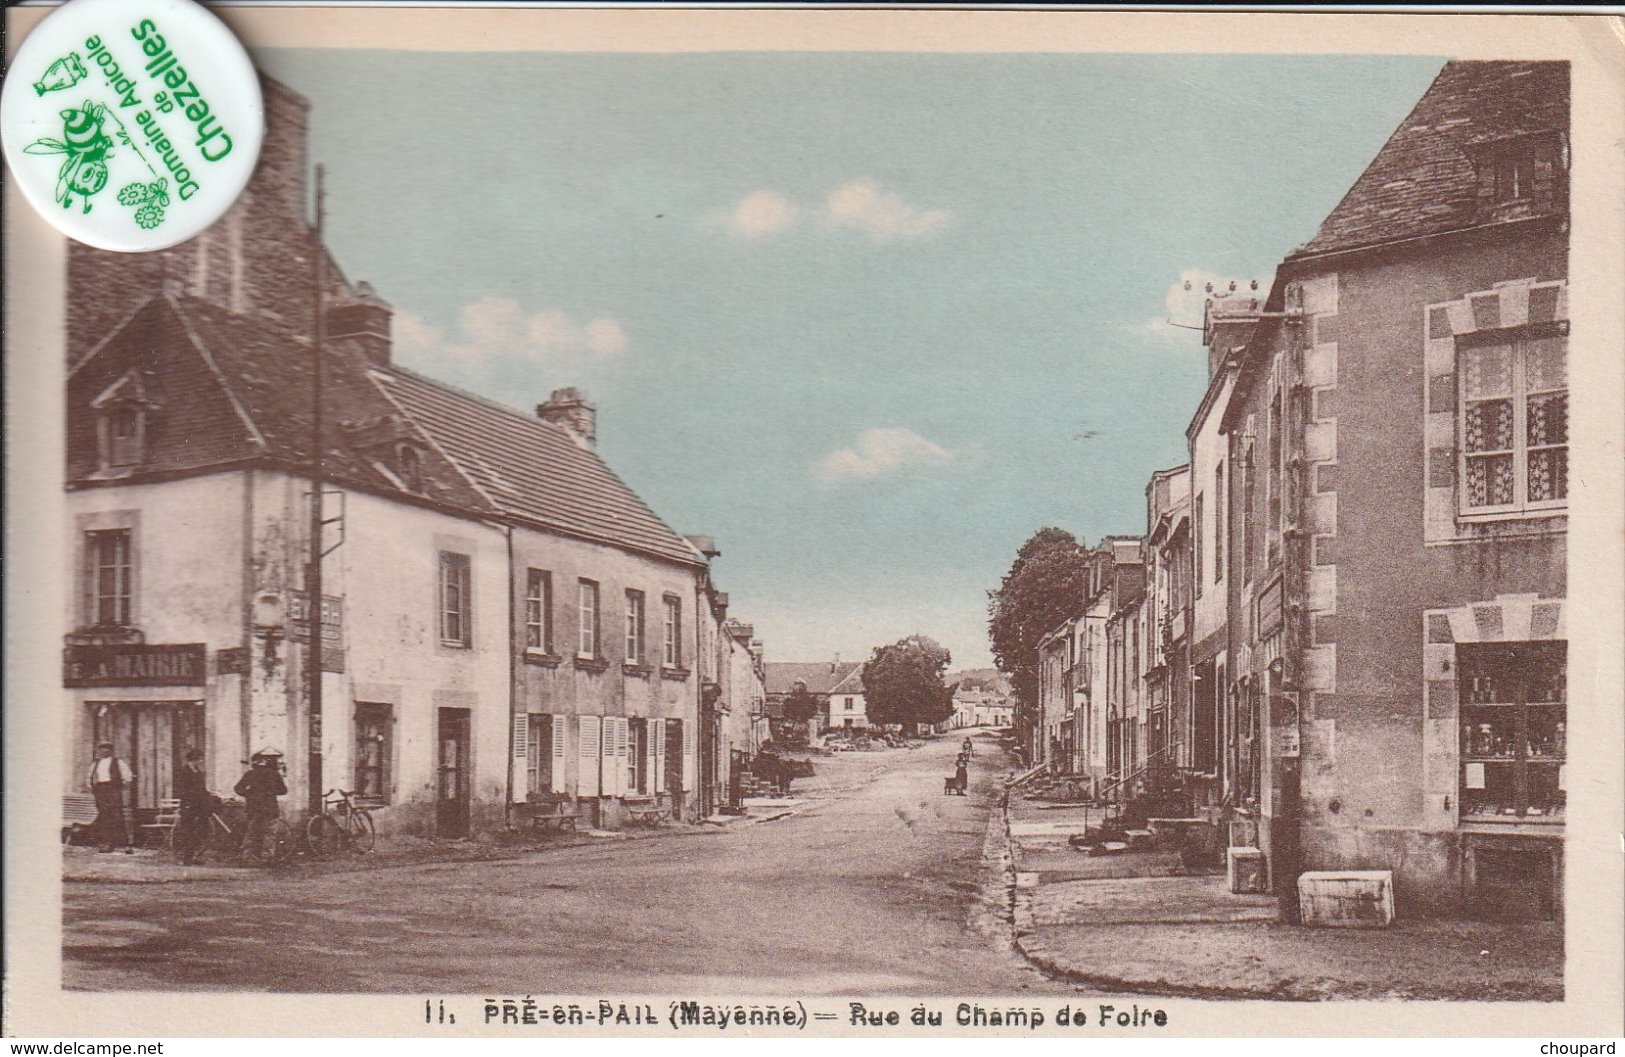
x=1514, y=718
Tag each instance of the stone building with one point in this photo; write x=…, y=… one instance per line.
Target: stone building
x=1168, y=600
x=502, y=619
x=1218, y=733
x=1397, y=444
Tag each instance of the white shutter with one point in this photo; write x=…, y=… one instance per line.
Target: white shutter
x=587, y=752
x=623, y=755
x=612, y=785
x=558, y=753
x=521, y=756
x=690, y=771
x=657, y=751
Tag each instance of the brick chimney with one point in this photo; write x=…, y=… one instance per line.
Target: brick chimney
x=569, y=408
x=364, y=320
x=281, y=176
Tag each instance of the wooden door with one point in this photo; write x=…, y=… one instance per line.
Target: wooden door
x=452, y=796
x=153, y=738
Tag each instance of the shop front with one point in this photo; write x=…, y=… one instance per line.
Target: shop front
x=148, y=702
x=1502, y=779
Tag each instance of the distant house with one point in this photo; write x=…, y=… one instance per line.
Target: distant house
x=837, y=687
x=977, y=707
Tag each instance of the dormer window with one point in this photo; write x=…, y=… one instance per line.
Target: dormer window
x=1520, y=176
x=123, y=417
x=409, y=467
x=1512, y=176
x=124, y=435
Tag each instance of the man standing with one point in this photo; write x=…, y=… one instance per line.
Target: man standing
x=259, y=788
x=107, y=779
x=192, y=789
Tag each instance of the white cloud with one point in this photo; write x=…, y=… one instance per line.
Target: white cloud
x=762, y=213
x=858, y=205
x=496, y=329
x=880, y=453
x=605, y=337
x=1185, y=300
x=862, y=205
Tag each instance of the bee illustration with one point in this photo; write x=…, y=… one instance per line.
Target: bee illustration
x=87, y=146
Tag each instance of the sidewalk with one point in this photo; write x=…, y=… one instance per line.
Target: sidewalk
x=1138, y=923
x=148, y=866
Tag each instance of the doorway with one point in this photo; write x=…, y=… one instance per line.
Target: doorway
x=452, y=789
x=153, y=737
x=676, y=780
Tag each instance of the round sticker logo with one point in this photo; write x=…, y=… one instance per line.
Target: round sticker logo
x=131, y=124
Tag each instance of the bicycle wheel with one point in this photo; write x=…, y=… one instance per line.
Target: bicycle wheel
x=324, y=836
x=187, y=840
x=278, y=843
x=362, y=834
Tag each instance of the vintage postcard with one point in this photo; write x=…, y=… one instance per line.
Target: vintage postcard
x=865, y=523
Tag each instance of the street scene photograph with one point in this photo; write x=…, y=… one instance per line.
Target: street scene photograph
x=1082, y=528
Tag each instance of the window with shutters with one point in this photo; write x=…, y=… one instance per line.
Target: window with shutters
x=1513, y=424
x=108, y=574
x=634, y=627
x=672, y=632
x=589, y=767
x=1219, y=526
x=538, y=753
x=637, y=776
x=587, y=623
x=539, y=611
x=374, y=734
x=456, y=613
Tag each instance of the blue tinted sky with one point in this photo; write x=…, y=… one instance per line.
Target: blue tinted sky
x=868, y=319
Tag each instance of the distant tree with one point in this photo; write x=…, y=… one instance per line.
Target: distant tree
x=902, y=683
x=1043, y=588
x=801, y=705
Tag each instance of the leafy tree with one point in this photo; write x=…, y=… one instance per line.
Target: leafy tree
x=902, y=683
x=801, y=705
x=1043, y=588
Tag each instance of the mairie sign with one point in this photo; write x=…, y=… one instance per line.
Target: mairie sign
x=134, y=665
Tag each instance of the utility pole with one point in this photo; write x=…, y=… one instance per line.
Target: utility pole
x=313, y=564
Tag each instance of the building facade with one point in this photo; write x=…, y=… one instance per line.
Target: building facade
x=1401, y=424
x=1349, y=639
x=502, y=621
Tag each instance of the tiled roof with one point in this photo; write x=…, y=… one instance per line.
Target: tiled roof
x=532, y=469
x=267, y=371
x=235, y=387
x=821, y=677
x=1422, y=182
x=851, y=683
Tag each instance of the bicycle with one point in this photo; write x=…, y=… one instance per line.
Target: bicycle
x=342, y=826
x=219, y=840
